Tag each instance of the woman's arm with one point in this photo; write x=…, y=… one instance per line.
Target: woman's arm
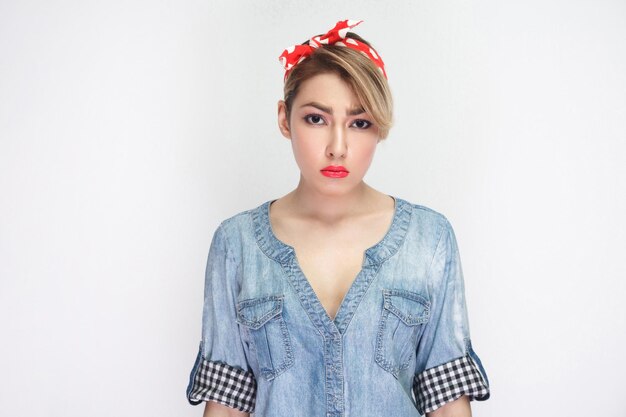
x=457, y=408
x=214, y=409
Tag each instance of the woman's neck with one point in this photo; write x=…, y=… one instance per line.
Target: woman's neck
x=329, y=209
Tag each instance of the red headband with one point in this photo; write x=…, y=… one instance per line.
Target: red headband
x=336, y=36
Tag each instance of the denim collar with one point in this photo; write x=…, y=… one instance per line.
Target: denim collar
x=374, y=255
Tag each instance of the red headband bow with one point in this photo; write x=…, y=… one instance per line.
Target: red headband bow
x=336, y=36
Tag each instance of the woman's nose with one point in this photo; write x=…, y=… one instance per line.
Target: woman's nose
x=337, y=146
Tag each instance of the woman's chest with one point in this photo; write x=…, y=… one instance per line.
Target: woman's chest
x=324, y=287
x=331, y=260
x=330, y=271
x=380, y=316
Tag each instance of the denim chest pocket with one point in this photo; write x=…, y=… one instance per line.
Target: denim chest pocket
x=269, y=334
x=403, y=315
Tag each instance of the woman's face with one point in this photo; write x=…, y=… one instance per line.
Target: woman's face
x=329, y=127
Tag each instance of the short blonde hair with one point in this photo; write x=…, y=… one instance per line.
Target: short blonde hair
x=357, y=70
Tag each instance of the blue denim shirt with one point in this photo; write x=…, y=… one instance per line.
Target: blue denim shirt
x=398, y=346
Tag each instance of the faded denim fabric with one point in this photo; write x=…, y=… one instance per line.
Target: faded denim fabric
x=398, y=346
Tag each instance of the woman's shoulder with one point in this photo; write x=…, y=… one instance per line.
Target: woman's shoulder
x=241, y=225
x=426, y=215
x=427, y=228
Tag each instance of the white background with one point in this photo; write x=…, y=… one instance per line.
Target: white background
x=130, y=129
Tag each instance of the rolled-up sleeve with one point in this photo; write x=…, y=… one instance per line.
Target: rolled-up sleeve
x=447, y=366
x=221, y=372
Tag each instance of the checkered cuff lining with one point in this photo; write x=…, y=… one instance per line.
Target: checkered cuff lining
x=224, y=384
x=437, y=386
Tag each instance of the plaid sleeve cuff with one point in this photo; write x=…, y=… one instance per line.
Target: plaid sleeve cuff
x=444, y=383
x=225, y=384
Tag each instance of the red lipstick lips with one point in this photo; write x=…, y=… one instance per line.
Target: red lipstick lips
x=334, y=171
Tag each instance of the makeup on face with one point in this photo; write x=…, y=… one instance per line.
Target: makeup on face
x=330, y=130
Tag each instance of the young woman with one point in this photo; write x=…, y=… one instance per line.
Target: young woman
x=335, y=299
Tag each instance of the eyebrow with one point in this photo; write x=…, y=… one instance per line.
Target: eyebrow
x=351, y=112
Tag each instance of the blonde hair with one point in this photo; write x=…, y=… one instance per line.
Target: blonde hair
x=357, y=70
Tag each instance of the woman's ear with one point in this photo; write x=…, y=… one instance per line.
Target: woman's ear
x=283, y=122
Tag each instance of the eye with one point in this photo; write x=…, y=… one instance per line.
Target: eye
x=361, y=124
x=314, y=119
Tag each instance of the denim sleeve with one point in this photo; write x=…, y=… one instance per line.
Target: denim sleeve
x=221, y=372
x=446, y=366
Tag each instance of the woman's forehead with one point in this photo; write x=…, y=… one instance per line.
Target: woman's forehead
x=326, y=92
